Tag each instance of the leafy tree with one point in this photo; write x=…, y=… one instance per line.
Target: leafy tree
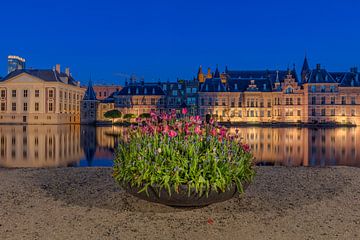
x=129, y=116
x=145, y=115
x=113, y=114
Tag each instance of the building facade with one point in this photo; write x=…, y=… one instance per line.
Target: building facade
x=31, y=96
x=262, y=96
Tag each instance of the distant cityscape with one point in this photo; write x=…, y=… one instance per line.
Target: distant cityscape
x=53, y=96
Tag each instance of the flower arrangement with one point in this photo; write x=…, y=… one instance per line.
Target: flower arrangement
x=169, y=152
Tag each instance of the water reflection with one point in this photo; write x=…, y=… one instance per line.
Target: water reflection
x=74, y=145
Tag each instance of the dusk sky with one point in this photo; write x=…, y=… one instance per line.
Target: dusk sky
x=169, y=39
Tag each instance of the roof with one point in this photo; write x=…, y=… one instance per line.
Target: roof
x=47, y=75
x=141, y=89
x=271, y=75
x=320, y=76
x=90, y=93
x=347, y=79
x=213, y=85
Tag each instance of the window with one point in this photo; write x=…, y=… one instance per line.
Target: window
x=332, y=100
x=299, y=112
x=352, y=112
x=269, y=103
x=202, y=102
x=323, y=88
x=232, y=102
x=216, y=102
x=332, y=88
x=99, y=94
x=353, y=101
x=210, y=101
x=50, y=107
x=3, y=107
x=13, y=93
x=13, y=106
x=25, y=93
x=322, y=100
x=152, y=101
x=313, y=100
x=194, y=90
x=313, y=112
x=188, y=90
x=61, y=94
x=299, y=101
x=223, y=102
x=313, y=88
x=36, y=106
x=3, y=93
x=25, y=107
x=323, y=112
x=343, y=100
x=332, y=112
x=105, y=94
x=269, y=113
x=37, y=93
x=174, y=93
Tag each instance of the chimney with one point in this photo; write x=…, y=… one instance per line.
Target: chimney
x=318, y=66
x=67, y=71
x=57, y=68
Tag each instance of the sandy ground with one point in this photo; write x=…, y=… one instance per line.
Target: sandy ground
x=85, y=203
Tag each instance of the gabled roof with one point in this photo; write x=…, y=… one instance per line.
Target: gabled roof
x=350, y=80
x=47, y=75
x=271, y=75
x=320, y=76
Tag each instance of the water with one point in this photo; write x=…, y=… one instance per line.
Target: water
x=74, y=145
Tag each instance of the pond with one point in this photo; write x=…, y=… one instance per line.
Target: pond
x=88, y=146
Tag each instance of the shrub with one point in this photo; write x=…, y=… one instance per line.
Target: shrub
x=129, y=116
x=167, y=152
x=113, y=114
x=145, y=115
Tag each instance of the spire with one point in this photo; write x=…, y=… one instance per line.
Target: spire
x=90, y=93
x=217, y=73
x=200, y=76
x=305, y=70
x=277, y=76
x=209, y=75
x=226, y=69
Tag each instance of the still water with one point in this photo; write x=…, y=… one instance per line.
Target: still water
x=75, y=145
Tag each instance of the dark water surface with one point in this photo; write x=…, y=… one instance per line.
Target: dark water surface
x=75, y=145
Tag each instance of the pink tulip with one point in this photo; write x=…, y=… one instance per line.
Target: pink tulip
x=184, y=111
x=197, y=130
x=172, y=133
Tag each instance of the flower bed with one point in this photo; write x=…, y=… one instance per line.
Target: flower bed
x=166, y=155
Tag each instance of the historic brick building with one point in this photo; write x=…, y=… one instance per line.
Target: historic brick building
x=271, y=96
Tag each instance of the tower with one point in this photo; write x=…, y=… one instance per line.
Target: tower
x=200, y=75
x=88, y=106
x=217, y=73
x=305, y=70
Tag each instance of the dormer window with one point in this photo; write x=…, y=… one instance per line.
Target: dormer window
x=129, y=91
x=137, y=90
x=332, y=88
x=289, y=90
x=252, y=82
x=264, y=86
x=323, y=88
x=207, y=87
x=153, y=91
x=219, y=88
x=236, y=86
x=313, y=88
x=145, y=91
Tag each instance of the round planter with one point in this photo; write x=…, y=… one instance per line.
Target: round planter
x=182, y=198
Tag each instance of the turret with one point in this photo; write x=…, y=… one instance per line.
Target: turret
x=200, y=76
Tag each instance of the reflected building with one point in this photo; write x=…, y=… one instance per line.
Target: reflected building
x=39, y=146
x=303, y=146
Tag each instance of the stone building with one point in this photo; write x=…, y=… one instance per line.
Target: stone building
x=33, y=96
x=104, y=91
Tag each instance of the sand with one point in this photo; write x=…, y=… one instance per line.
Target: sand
x=85, y=203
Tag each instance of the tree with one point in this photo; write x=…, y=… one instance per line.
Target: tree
x=129, y=116
x=145, y=115
x=113, y=114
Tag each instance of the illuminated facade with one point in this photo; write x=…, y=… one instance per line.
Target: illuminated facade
x=31, y=96
x=279, y=96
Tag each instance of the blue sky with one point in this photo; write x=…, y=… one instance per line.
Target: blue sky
x=111, y=39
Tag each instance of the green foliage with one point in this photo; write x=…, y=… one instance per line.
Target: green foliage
x=145, y=115
x=129, y=115
x=172, y=153
x=113, y=114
